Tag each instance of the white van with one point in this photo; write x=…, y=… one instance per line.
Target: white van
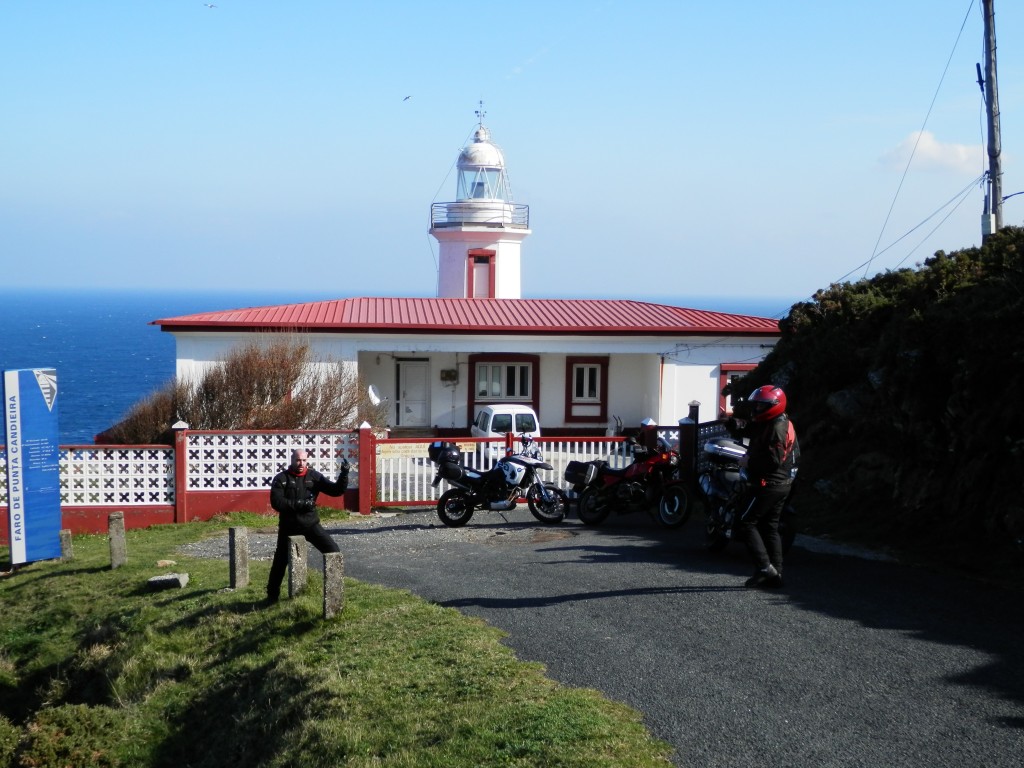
x=497, y=420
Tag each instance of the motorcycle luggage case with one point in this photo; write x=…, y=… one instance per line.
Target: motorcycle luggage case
x=441, y=451
x=449, y=470
x=580, y=472
x=724, y=450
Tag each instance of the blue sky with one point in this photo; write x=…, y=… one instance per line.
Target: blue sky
x=666, y=149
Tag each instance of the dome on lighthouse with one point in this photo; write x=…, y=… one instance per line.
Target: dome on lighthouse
x=481, y=167
x=481, y=153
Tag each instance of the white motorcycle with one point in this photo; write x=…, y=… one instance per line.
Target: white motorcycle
x=498, y=488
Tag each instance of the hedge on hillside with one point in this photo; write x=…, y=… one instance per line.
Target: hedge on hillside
x=908, y=390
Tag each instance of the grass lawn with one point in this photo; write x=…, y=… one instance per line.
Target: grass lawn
x=97, y=670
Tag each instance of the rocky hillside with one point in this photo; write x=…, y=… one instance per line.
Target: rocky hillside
x=908, y=390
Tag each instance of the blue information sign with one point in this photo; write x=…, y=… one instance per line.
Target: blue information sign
x=33, y=464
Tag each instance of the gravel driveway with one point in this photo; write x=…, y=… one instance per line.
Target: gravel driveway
x=859, y=662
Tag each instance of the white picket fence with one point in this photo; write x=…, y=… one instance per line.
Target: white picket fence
x=405, y=474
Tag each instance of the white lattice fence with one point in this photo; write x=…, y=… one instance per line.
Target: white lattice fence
x=104, y=476
x=101, y=476
x=224, y=461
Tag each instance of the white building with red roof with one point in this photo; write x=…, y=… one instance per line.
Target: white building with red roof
x=437, y=360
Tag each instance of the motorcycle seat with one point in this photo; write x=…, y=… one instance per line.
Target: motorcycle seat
x=621, y=472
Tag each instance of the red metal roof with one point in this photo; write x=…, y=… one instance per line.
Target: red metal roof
x=476, y=316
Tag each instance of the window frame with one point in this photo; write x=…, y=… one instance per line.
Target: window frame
x=725, y=372
x=481, y=256
x=601, y=363
x=474, y=401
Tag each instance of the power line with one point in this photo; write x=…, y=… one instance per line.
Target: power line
x=963, y=197
x=918, y=141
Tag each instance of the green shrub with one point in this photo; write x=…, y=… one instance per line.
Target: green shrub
x=73, y=735
x=905, y=389
x=9, y=737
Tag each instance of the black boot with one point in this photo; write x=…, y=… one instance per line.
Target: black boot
x=762, y=577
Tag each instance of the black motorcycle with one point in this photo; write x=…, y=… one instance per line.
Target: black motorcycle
x=498, y=488
x=725, y=491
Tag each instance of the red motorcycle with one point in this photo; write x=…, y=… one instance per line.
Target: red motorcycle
x=651, y=480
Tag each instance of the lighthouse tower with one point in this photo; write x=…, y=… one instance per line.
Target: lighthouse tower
x=480, y=234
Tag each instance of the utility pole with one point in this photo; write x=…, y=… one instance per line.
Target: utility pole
x=992, y=220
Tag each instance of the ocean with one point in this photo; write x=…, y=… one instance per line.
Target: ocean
x=108, y=357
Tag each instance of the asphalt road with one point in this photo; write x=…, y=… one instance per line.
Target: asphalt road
x=858, y=662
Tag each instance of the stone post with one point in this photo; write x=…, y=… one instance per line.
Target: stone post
x=67, y=552
x=239, y=540
x=366, y=470
x=297, y=565
x=118, y=545
x=181, y=495
x=334, y=584
x=688, y=434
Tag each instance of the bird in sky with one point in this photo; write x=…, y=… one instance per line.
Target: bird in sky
x=407, y=98
x=209, y=5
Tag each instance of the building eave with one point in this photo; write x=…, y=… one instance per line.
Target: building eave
x=475, y=317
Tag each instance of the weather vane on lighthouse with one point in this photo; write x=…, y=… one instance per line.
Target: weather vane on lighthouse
x=480, y=114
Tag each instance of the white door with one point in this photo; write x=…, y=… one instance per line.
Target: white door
x=413, y=393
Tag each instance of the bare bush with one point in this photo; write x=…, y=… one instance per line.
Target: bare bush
x=273, y=385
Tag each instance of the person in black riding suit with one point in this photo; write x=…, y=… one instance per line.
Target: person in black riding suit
x=293, y=495
x=771, y=464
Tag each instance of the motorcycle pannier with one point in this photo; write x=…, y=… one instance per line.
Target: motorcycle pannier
x=723, y=450
x=449, y=470
x=441, y=451
x=580, y=472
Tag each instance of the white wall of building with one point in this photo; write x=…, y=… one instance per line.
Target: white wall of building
x=647, y=376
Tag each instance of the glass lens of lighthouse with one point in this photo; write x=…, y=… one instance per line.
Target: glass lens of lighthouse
x=482, y=184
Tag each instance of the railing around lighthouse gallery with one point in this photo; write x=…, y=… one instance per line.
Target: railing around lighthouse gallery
x=480, y=213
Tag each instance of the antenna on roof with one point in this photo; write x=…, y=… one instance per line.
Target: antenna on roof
x=480, y=114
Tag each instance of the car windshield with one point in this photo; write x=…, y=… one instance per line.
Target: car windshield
x=502, y=422
x=525, y=422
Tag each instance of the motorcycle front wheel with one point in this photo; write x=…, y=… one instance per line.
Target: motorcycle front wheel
x=674, y=507
x=454, y=508
x=547, y=502
x=593, y=507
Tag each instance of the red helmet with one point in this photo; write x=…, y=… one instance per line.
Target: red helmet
x=767, y=402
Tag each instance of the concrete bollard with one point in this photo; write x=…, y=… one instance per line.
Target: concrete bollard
x=297, y=564
x=239, y=548
x=67, y=551
x=118, y=545
x=334, y=584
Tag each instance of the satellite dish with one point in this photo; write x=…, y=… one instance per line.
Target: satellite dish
x=374, y=394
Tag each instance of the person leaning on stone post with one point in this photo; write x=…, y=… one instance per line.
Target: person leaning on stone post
x=293, y=494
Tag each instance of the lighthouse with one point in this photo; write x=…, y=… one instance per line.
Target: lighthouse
x=480, y=234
